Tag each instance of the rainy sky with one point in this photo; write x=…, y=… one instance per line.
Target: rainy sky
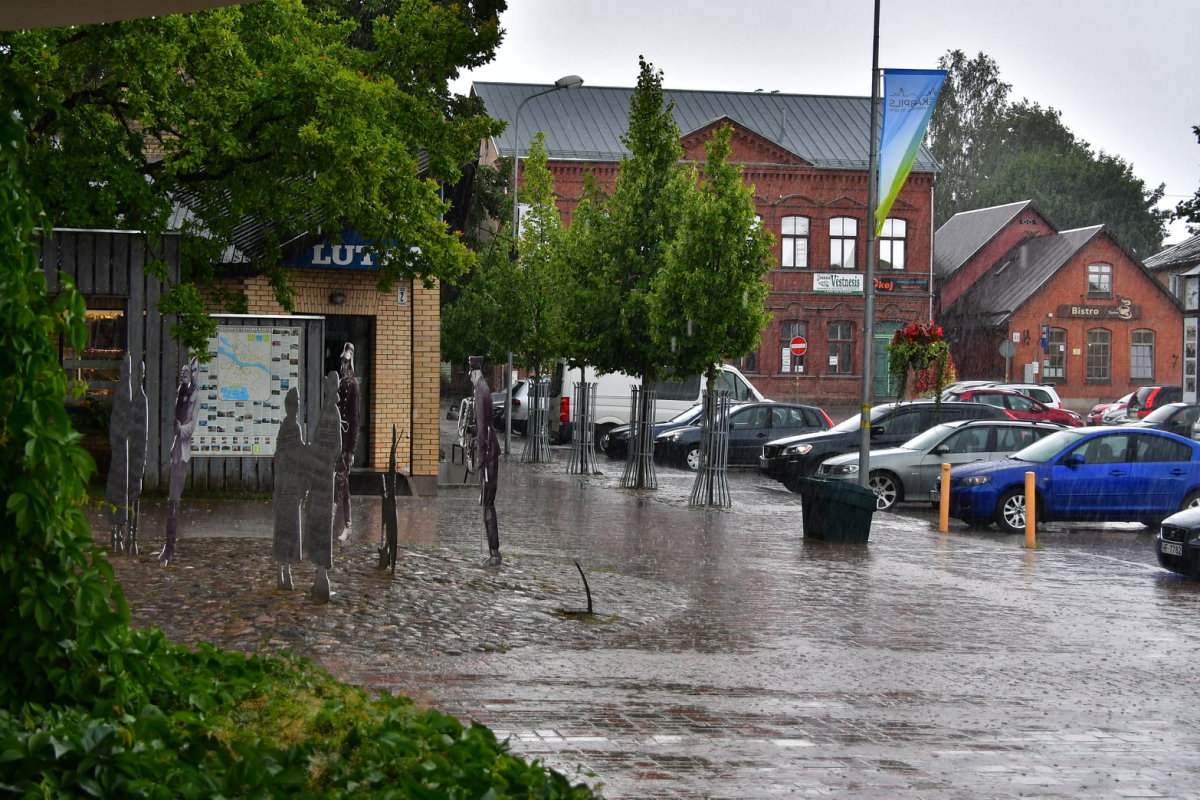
x=1121, y=72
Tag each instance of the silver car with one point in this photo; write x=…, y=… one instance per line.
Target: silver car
x=910, y=473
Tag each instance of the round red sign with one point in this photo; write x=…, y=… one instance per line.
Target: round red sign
x=799, y=346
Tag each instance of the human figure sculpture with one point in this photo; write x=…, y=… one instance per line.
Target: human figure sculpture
x=289, y=490
x=127, y=434
x=187, y=399
x=489, y=459
x=320, y=463
x=348, y=409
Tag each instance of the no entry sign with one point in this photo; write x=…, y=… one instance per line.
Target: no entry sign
x=799, y=346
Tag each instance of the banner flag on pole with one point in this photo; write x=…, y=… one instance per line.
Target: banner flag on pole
x=909, y=95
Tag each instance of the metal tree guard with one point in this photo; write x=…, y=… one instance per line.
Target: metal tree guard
x=537, y=438
x=712, y=484
x=640, y=459
x=583, y=444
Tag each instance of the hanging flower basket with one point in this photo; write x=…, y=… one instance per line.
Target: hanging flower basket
x=921, y=348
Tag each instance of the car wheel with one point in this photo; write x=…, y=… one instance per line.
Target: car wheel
x=791, y=483
x=1010, y=511
x=886, y=488
x=602, y=431
x=1191, y=501
x=692, y=459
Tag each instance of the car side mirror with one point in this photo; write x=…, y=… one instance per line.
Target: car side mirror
x=1073, y=460
x=878, y=431
x=941, y=449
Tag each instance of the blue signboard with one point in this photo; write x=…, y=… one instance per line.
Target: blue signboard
x=350, y=253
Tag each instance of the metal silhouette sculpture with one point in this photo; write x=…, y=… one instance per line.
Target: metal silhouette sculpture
x=489, y=459
x=127, y=433
x=321, y=457
x=288, y=498
x=187, y=400
x=390, y=534
x=348, y=408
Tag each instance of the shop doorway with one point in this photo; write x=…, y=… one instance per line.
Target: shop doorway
x=884, y=385
x=358, y=330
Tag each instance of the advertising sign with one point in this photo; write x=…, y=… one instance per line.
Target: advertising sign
x=243, y=386
x=838, y=282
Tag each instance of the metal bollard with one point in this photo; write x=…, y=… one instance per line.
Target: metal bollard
x=1030, y=511
x=944, y=501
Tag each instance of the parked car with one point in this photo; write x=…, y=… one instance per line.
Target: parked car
x=910, y=472
x=1177, y=418
x=1018, y=405
x=615, y=443
x=1096, y=415
x=1117, y=415
x=750, y=426
x=1148, y=398
x=520, y=416
x=1178, y=542
x=1101, y=475
x=794, y=457
x=1042, y=392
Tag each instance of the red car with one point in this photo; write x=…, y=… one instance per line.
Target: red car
x=1096, y=415
x=1020, y=406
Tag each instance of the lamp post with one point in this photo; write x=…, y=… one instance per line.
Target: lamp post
x=565, y=82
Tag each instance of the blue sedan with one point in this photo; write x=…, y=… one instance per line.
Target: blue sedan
x=1108, y=475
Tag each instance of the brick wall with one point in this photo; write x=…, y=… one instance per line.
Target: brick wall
x=400, y=332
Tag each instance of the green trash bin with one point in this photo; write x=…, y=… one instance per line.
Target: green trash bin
x=835, y=510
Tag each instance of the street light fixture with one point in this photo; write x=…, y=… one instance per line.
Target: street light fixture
x=565, y=82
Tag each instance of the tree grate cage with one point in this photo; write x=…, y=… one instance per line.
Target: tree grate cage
x=583, y=444
x=639, y=464
x=712, y=483
x=537, y=437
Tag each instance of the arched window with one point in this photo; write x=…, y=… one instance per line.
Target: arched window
x=794, y=241
x=1099, y=356
x=1141, y=356
x=843, y=236
x=893, y=244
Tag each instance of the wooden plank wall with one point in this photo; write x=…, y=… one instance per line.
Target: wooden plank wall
x=112, y=264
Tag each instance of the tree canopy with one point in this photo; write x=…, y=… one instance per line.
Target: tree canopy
x=1189, y=209
x=994, y=151
x=301, y=118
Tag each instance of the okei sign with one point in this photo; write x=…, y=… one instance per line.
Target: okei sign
x=798, y=345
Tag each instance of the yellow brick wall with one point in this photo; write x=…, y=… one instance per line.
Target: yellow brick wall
x=397, y=330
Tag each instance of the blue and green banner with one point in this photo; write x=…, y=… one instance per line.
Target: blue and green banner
x=909, y=96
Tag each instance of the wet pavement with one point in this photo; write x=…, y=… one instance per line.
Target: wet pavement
x=728, y=656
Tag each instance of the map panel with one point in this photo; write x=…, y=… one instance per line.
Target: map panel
x=242, y=389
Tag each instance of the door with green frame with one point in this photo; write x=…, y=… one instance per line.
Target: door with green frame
x=884, y=385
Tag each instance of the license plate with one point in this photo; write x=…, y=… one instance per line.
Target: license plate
x=1172, y=548
x=935, y=496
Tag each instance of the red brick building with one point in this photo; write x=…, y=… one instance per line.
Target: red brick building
x=806, y=157
x=1081, y=312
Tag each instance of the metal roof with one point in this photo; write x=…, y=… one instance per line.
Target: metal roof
x=1015, y=278
x=1184, y=254
x=968, y=232
x=587, y=123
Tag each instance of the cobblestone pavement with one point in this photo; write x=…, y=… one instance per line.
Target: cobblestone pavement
x=729, y=656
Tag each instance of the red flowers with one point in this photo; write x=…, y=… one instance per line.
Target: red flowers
x=922, y=333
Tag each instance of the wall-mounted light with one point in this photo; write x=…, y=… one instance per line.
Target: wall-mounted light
x=337, y=298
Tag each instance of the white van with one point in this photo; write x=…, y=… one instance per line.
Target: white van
x=613, y=397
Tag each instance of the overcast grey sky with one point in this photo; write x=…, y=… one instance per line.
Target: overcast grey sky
x=1118, y=70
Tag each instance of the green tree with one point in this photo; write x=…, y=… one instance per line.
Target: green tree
x=1189, y=209
x=709, y=297
x=994, y=152
x=302, y=119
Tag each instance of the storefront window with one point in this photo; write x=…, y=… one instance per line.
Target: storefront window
x=841, y=348
x=1056, y=355
x=790, y=362
x=1099, y=356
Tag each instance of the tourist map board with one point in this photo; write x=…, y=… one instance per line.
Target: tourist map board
x=242, y=389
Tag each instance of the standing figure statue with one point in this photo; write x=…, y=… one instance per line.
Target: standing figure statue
x=348, y=408
x=321, y=458
x=289, y=490
x=187, y=400
x=127, y=434
x=489, y=459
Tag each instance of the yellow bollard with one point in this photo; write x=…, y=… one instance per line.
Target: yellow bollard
x=1030, y=511
x=944, y=501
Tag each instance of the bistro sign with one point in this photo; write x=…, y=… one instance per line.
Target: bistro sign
x=1122, y=310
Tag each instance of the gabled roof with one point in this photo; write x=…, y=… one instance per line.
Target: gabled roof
x=968, y=232
x=1183, y=255
x=586, y=124
x=1016, y=277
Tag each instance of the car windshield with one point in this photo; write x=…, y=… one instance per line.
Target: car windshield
x=689, y=414
x=851, y=424
x=1045, y=449
x=926, y=440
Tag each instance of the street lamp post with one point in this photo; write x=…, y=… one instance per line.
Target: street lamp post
x=565, y=82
